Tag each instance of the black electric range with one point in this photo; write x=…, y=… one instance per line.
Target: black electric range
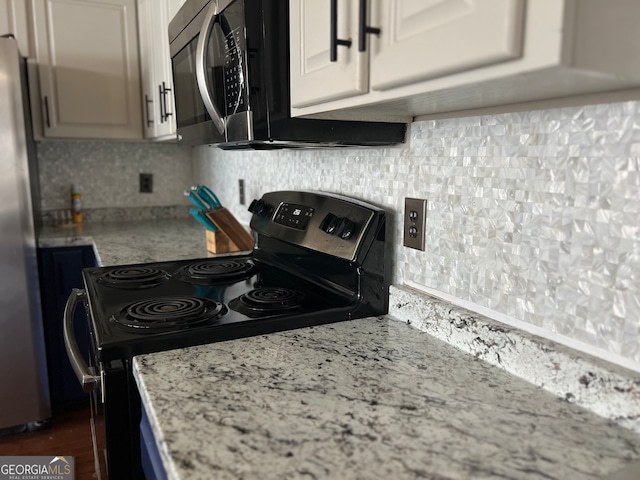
x=318, y=258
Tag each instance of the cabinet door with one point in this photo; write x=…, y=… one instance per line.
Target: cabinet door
x=87, y=53
x=161, y=16
x=13, y=19
x=157, y=82
x=314, y=77
x=147, y=69
x=61, y=271
x=422, y=39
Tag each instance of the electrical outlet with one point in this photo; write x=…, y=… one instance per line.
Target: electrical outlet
x=415, y=219
x=146, y=183
x=241, y=191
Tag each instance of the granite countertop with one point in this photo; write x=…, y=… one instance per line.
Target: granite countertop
x=372, y=398
x=363, y=399
x=128, y=242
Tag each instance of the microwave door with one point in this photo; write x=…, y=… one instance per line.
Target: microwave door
x=189, y=106
x=210, y=63
x=221, y=70
x=194, y=125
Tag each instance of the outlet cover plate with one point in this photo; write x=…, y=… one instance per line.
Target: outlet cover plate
x=146, y=183
x=241, y=191
x=415, y=221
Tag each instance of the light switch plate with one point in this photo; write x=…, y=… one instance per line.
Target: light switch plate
x=415, y=220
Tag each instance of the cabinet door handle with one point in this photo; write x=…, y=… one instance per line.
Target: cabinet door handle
x=363, y=28
x=46, y=111
x=335, y=41
x=161, y=97
x=147, y=101
x=164, y=95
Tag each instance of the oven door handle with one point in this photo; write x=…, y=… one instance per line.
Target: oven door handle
x=201, y=77
x=86, y=375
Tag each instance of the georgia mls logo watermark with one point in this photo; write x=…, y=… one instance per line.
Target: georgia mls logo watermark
x=37, y=468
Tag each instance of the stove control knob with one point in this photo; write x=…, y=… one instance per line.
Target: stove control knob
x=329, y=223
x=253, y=206
x=345, y=228
x=260, y=207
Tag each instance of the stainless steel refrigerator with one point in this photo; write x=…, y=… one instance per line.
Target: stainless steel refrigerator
x=24, y=389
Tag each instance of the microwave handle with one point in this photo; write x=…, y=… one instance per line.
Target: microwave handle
x=201, y=78
x=86, y=376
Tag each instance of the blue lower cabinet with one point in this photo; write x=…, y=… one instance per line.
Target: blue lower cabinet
x=60, y=272
x=151, y=462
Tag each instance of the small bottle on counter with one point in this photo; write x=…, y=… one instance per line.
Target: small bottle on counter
x=76, y=204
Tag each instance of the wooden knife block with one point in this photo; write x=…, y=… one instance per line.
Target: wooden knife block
x=230, y=237
x=218, y=242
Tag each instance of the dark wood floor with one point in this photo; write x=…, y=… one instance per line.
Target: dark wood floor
x=69, y=434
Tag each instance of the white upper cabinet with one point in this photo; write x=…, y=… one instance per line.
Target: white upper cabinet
x=423, y=57
x=157, y=82
x=414, y=40
x=315, y=77
x=428, y=38
x=88, y=65
x=14, y=20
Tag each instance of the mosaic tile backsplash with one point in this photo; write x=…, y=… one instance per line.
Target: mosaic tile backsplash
x=107, y=174
x=534, y=215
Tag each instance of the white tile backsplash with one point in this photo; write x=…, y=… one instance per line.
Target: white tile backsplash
x=108, y=173
x=534, y=215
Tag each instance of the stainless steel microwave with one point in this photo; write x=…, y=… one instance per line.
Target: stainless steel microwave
x=230, y=61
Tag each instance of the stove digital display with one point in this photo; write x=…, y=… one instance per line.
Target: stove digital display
x=294, y=216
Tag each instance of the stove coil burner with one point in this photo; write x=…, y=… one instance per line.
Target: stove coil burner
x=135, y=277
x=169, y=313
x=268, y=301
x=216, y=271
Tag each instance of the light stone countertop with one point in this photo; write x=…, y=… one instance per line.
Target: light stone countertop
x=372, y=398
x=364, y=399
x=128, y=242
x=607, y=389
